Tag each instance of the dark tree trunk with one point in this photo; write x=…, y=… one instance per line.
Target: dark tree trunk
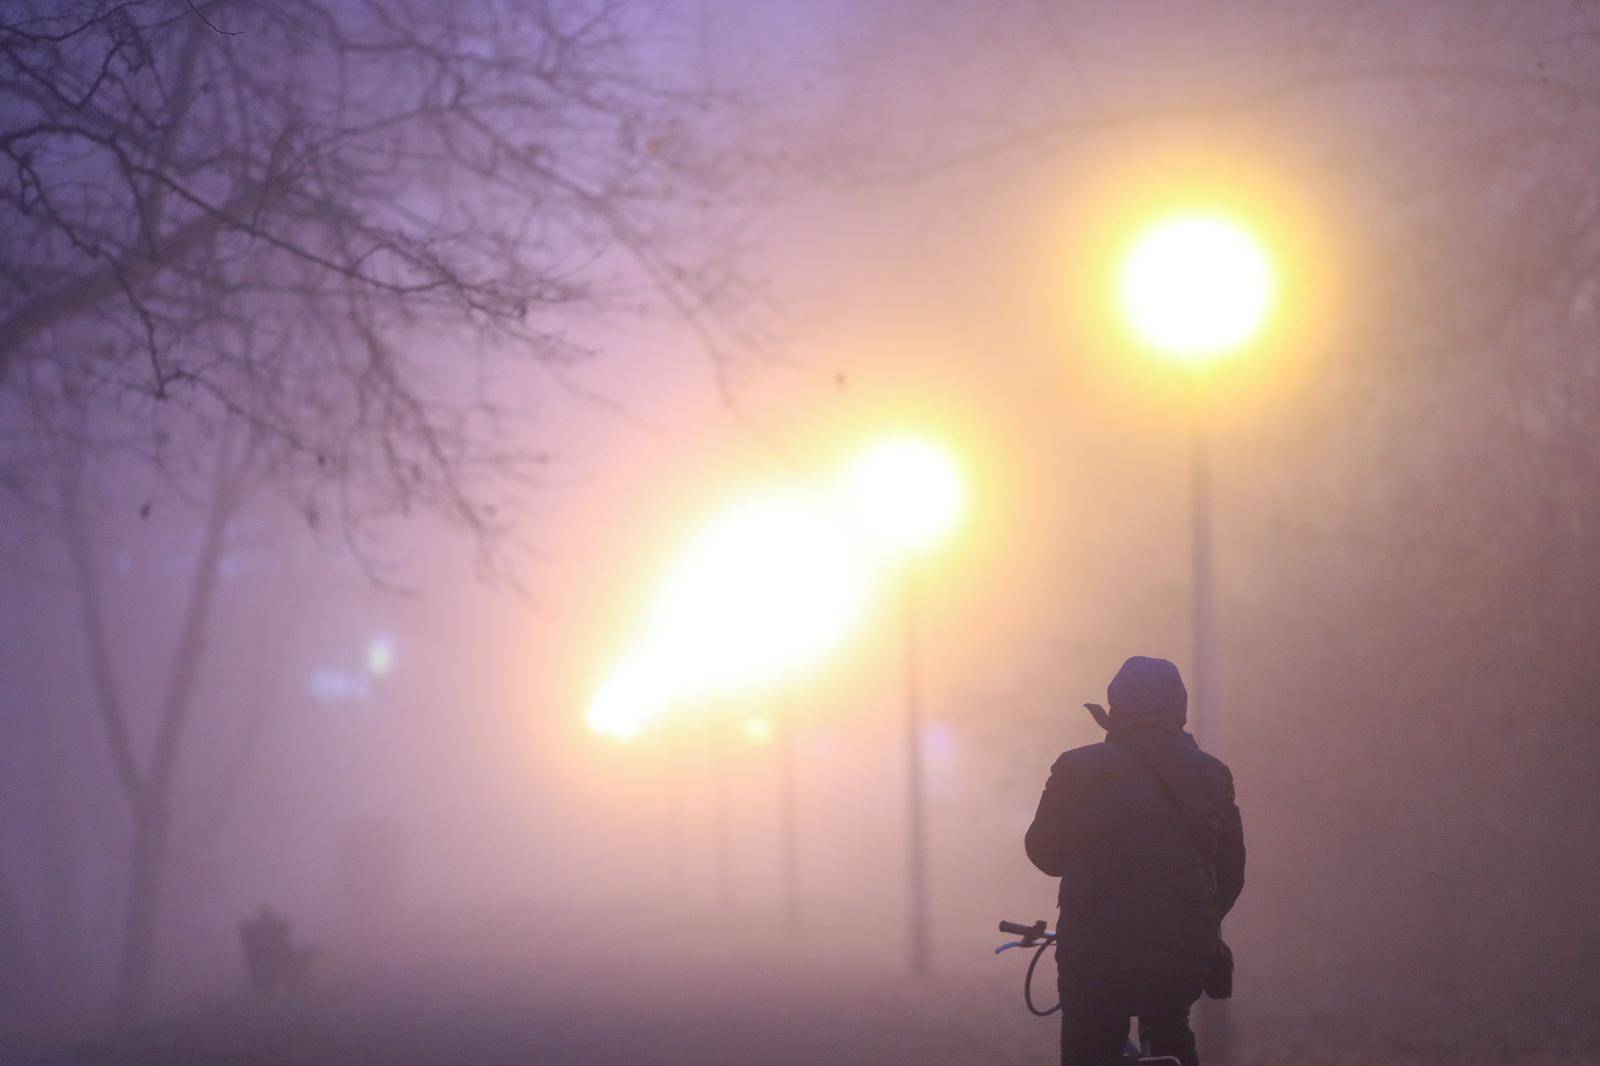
x=15, y=962
x=149, y=785
x=141, y=920
x=152, y=812
x=60, y=920
x=56, y=889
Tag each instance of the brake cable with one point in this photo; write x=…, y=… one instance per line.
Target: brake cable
x=1027, y=984
x=1035, y=935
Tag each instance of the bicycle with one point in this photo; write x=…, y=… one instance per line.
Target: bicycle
x=1039, y=937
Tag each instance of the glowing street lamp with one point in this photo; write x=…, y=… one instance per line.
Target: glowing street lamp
x=1196, y=287
x=766, y=589
x=907, y=492
x=630, y=697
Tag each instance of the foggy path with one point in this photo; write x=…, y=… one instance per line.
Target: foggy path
x=573, y=998
x=570, y=993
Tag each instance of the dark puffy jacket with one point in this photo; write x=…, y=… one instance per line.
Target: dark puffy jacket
x=1141, y=905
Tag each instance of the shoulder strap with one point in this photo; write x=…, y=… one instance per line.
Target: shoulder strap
x=1193, y=830
x=1195, y=835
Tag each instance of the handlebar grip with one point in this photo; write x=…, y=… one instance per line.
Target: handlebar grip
x=1016, y=929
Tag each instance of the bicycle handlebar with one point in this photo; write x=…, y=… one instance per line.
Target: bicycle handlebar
x=1039, y=938
x=1036, y=931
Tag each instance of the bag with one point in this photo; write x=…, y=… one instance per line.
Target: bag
x=1219, y=978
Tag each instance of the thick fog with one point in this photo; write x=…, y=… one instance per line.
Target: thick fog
x=368, y=372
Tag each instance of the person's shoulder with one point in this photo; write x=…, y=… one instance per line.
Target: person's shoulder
x=1079, y=758
x=1215, y=769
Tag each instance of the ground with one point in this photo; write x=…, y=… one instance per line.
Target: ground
x=565, y=996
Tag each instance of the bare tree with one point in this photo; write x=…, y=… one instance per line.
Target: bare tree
x=344, y=183
x=145, y=756
x=260, y=232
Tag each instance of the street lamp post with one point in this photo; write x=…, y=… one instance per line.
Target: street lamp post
x=921, y=954
x=1206, y=723
x=907, y=492
x=788, y=817
x=1196, y=287
x=1213, y=1017
x=673, y=817
x=721, y=858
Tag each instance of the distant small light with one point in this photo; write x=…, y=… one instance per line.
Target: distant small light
x=339, y=686
x=757, y=730
x=380, y=655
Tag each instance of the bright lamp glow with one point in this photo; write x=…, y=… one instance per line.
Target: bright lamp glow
x=769, y=587
x=631, y=696
x=1196, y=285
x=906, y=491
x=757, y=730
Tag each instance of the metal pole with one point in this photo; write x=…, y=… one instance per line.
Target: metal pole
x=675, y=833
x=1213, y=1018
x=787, y=819
x=719, y=809
x=1203, y=715
x=917, y=850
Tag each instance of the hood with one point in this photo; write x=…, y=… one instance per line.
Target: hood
x=1148, y=694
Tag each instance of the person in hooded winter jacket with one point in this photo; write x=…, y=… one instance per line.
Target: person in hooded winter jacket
x=1144, y=885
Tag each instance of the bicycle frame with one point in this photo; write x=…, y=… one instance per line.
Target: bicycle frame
x=1038, y=937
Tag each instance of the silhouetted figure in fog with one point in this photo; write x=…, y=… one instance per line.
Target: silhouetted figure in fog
x=271, y=959
x=1144, y=833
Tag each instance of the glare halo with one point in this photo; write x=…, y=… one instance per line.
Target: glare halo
x=1196, y=285
x=906, y=492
